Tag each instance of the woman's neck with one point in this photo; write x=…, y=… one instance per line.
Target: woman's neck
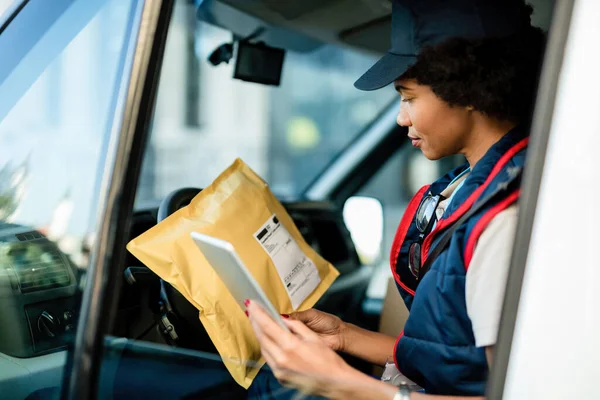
x=486, y=132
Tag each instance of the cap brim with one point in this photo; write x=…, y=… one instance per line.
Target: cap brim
x=385, y=71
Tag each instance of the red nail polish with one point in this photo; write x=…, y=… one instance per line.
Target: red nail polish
x=246, y=302
x=247, y=315
x=286, y=316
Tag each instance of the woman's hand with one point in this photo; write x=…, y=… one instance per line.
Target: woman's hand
x=328, y=327
x=373, y=347
x=299, y=358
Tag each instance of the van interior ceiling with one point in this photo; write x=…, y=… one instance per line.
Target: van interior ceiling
x=363, y=24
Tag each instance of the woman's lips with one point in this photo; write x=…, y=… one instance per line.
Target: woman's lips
x=415, y=141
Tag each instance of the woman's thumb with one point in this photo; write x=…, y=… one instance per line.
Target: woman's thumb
x=302, y=316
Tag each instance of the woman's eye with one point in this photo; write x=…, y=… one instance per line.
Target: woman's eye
x=406, y=100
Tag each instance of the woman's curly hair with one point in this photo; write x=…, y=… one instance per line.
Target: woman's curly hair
x=496, y=76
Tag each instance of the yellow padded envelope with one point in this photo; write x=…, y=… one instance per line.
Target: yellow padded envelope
x=237, y=207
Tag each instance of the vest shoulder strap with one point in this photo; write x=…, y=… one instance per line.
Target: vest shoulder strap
x=514, y=179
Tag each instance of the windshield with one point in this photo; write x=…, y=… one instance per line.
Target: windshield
x=4, y=4
x=288, y=134
x=63, y=66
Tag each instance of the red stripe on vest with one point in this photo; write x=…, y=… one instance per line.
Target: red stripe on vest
x=466, y=205
x=483, y=222
x=395, y=347
x=407, y=218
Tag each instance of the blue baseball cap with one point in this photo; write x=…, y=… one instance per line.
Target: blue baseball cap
x=419, y=23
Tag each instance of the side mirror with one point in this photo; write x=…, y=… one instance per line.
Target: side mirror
x=364, y=219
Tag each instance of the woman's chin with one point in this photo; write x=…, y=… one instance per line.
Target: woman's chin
x=431, y=155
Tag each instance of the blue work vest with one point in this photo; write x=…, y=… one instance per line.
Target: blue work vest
x=437, y=347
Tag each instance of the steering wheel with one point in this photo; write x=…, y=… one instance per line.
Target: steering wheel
x=182, y=315
x=174, y=201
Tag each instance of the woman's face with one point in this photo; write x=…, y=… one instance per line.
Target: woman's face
x=436, y=128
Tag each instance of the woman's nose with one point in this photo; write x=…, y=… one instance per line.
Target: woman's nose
x=403, y=119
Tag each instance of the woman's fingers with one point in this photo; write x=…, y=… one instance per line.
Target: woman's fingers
x=304, y=316
x=275, y=340
x=282, y=349
x=266, y=344
x=298, y=358
x=273, y=354
x=302, y=330
x=274, y=331
x=269, y=327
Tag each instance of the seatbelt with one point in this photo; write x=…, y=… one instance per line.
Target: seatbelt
x=515, y=175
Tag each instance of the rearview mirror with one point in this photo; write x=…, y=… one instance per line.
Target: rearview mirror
x=259, y=63
x=364, y=219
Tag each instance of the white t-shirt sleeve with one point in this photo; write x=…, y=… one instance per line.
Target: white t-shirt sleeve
x=487, y=274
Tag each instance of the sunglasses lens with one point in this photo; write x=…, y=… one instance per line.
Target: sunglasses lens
x=414, y=259
x=425, y=212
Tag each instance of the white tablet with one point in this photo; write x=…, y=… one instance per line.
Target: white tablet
x=231, y=269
